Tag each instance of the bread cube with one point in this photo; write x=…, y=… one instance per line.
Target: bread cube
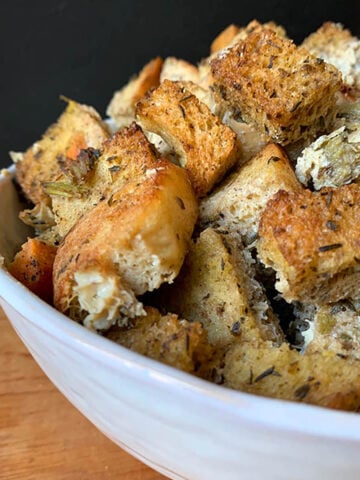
x=320, y=378
x=333, y=327
x=207, y=149
x=224, y=38
x=131, y=240
x=237, y=204
x=216, y=286
x=311, y=240
x=77, y=128
x=335, y=44
x=123, y=101
x=284, y=90
x=175, y=69
x=165, y=338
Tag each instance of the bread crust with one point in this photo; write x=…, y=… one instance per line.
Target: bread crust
x=166, y=338
x=124, y=100
x=224, y=38
x=312, y=242
x=237, y=204
x=321, y=378
x=124, y=156
x=336, y=45
x=206, y=147
x=40, y=163
x=136, y=237
x=285, y=91
x=216, y=286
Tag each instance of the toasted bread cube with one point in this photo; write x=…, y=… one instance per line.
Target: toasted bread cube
x=77, y=128
x=334, y=160
x=126, y=155
x=33, y=267
x=124, y=100
x=206, y=147
x=335, y=44
x=166, y=338
x=224, y=38
x=233, y=34
x=133, y=239
x=237, y=204
x=175, y=69
x=312, y=242
x=320, y=378
x=285, y=91
x=333, y=327
x=216, y=286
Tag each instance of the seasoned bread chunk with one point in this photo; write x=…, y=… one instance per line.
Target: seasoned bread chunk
x=312, y=242
x=237, y=205
x=166, y=338
x=78, y=127
x=323, y=379
x=124, y=156
x=332, y=160
x=33, y=267
x=216, y=286
x=206, y=147
x=331, y=327
x=124, y=100
x=335, y=44
x=134, y=239
x=224, y=38
x=285, y=91
x=176, y=69
x=233, y=34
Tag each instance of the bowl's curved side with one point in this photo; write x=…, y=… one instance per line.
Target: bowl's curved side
x=175, y=428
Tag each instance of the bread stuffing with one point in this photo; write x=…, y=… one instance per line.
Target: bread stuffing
x=212, y=221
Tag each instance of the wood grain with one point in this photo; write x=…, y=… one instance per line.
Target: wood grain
x=42, y=436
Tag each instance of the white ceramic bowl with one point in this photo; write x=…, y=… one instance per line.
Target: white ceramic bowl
x=180, y=425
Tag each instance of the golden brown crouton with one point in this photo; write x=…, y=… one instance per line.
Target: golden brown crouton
x=124, y=100
x=228, y=38
x=224, y=38
x=124, y=156
x=206, y=147
x=166, y=338
x=33, y=267
x=78, y=127
x=312, y=242
x=233, y=34
x=175, y=69
x=323, y=379
x=134, y=239
x=237, y=204
x=335, y=44
x=216, y=286
x=285, y=91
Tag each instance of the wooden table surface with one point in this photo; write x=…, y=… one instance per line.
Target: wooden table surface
x=42, y=436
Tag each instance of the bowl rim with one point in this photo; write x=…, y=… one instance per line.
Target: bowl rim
x=263, y=412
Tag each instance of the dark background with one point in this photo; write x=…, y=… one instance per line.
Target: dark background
x=86, y=49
